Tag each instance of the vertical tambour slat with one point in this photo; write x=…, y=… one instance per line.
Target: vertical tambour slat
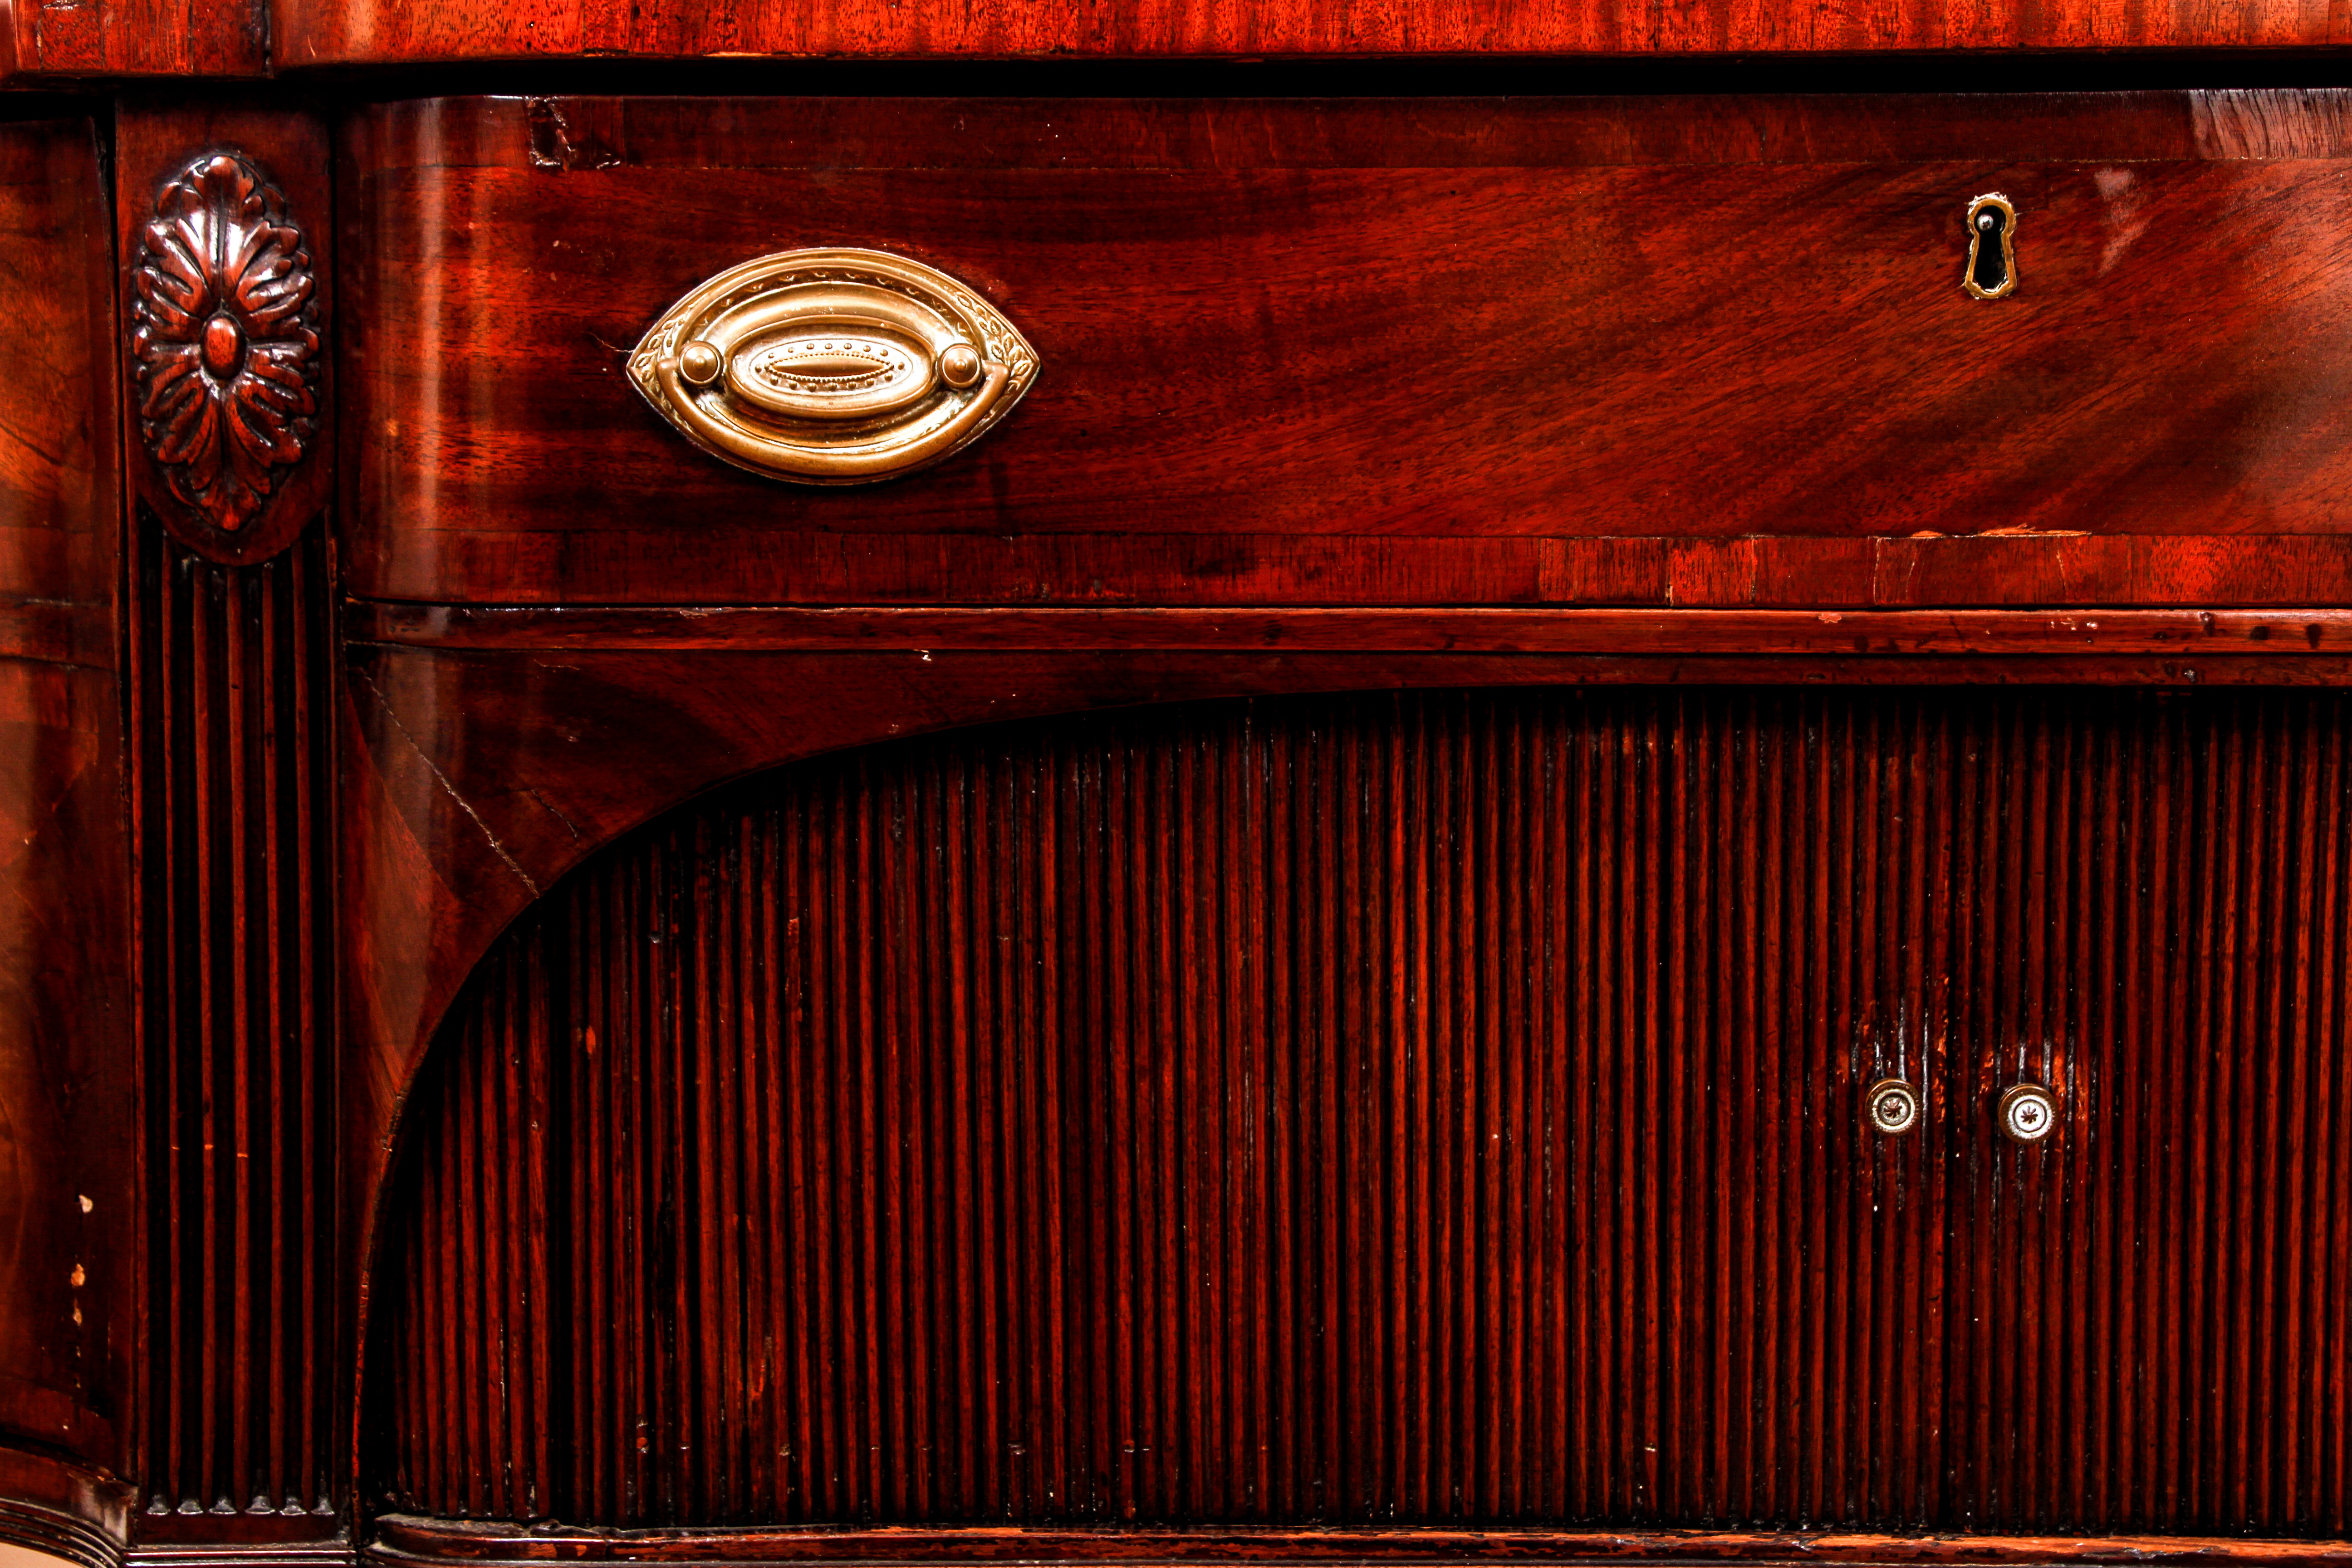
x=232, y=680
x=2162, y=1286
x=1439, y=1108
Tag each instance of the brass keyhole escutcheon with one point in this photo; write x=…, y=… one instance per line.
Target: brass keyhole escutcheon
x=1992, y=247
x=1894, y=1106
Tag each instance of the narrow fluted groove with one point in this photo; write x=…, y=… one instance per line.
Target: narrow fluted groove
x=228, y=706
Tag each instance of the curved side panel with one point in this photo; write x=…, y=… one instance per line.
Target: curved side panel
x=68, y=1116
x=67, y=1106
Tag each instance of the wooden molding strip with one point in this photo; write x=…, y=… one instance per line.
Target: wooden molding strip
x=63, y=1506
x=357, y=32
x=1866, y=633
x=409, y=1539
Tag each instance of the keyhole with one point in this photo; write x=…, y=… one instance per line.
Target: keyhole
x=1992, y=247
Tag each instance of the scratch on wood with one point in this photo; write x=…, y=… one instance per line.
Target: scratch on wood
x=442, y=779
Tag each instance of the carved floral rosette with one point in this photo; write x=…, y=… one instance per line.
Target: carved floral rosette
x=225, y=342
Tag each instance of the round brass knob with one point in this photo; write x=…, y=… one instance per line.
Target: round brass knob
x=959, y=365
x=699, y=364
x=1894, y=1106
x=2028, y=1112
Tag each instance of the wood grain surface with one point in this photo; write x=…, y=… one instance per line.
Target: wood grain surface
x=1646, y=351
x=68, y=1200
x=340, y=32
x=475, y=779
x=45, y=41
x=1666, y=394
x=60, y=552
x=401, y=1540
x=1425, y=1109
x=2291, y=636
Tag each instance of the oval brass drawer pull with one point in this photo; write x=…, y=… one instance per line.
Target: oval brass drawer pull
x=833, y=367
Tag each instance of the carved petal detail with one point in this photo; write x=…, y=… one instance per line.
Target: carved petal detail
x=226, y=341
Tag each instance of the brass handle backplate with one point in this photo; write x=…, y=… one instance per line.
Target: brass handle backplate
x=833, y=367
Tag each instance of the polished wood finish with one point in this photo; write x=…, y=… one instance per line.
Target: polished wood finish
x=1539, y=351
x=43, y=41
x=58, y=480
x=225, y=350
x=156, y=153
x=1910, y=670
x=69, y=1318
x=1244, y=1117
x=345, y=32
x=233, y=673
x=1417, y=1111
x=404, y=1541
x=470, y=792
x=232, y=677
x=2289, y=638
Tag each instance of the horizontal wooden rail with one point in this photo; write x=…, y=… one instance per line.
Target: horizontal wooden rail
x=1609, y=631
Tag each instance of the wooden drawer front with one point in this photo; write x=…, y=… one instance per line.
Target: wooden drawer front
x=1414, y=1110
x=1651, y=351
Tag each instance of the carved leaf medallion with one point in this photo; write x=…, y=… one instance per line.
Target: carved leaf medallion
x=227, y=343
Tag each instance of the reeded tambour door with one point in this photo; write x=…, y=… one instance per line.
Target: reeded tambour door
x=1365, y=1111
x=1419, y=1109
x=2148, y=1306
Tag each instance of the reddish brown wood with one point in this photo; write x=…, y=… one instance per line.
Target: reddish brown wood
x=2292, y=635
x=48, y=39
x=68, y=1308
x=233, y=501
x=1230, y=569
x=475, y=781
x=1339, y=396
x=2153, y=1303
x=225, y=346
x=1665, y=351
x=233, y=669
x=406, y=1540
x=44, y=40
x=1241, y=1116
x=62, y=1508
x=339, y=31
x=69, y=1197
x=59, y=500
x=1415, y=1110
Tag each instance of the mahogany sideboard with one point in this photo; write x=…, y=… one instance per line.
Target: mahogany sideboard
x=1131, y=782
